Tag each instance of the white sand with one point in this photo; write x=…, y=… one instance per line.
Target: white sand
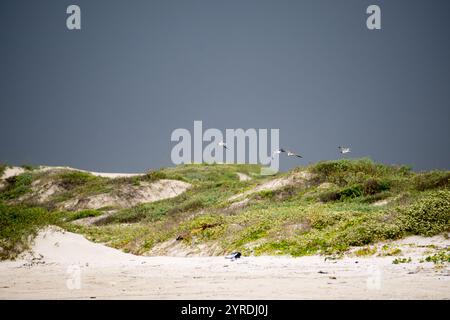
x=106, y=273
x=297, y=178
x=243, y=176
x=15, y=171
x=98, y=174
x=11, y=172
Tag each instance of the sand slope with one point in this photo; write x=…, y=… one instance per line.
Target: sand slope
x=106, y=273
x=125, y=196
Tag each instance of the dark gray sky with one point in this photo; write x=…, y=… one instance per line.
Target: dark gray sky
x=107, y=97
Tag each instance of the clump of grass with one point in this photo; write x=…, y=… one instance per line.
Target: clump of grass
x=441, y=257
x=388, y=251
x=154, y=175
x=204, y=227
x=264, y=194
x=350, y=192
x=17, y=186
x=2, y=169
x=431, y=180
x=346, y=171
x=18, y=225
x=320, y=219
x=329, y=196
x=72, y=216
x=252, y=233
x=72, y=179
x=401, y=260
x=367, y=231
x=366, y=251
x=190, y=205
x=78, y=184
x=204, y=173
x=430, y=215
x=374, y=186
x=29, y=167
x=368, y=188
x=149, y=212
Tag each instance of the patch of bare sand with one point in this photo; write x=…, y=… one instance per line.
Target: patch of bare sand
x=11, y=172
x=127, y=196
x=243, y=176
x=297, y=178
x=98, y=174
x=15, y=171
x=177, y=248
x=106, y=273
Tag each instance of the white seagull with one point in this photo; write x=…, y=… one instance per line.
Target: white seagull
x=344, y=150
x=292, y=154
x=289, y=153
x=223, y=144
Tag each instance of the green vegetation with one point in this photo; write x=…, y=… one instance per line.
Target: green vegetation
x=430, y=215
x=212, y=186
x=29, y=167
x=443, y=256
x=17, y=186
x=72, y=216
x=401, y=260
x=331, y=210
x=17, y=225
x=388, y=251
x=2, y=169
x=432, y=180
x=366, y=251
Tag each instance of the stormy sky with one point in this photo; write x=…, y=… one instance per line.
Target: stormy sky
x=107, y=97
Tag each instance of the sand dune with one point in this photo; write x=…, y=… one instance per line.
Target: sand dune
x=125, y=196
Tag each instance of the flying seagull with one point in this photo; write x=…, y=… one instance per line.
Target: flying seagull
x=344, y=150
x=292, y=154
x=233, y=256
x=288, y=152
x=223, y=144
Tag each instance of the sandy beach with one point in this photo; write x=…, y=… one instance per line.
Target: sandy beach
x=64, y=265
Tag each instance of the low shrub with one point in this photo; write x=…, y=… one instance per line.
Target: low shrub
x=428, y=216
x=29, y=167
x=17, y=186
x=401, y=260
x=18, y=225
x=153, y=175
x=190, y=205
x=368, y=232
x=443, y=256
x=2, y=169
x=83, y=214
x=374, y=186
x=431, y=180
x=345, y=171
x=73, y=179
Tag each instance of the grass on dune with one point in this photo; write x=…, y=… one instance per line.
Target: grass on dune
x=17, y=225
x=17, y=186
x=2, y=168
x=295, y=220
x=212, y=186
